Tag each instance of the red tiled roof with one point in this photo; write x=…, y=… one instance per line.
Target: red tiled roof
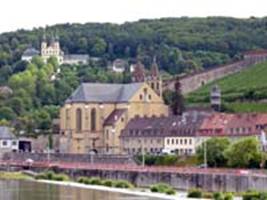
x=256, y=52
x=221, y=124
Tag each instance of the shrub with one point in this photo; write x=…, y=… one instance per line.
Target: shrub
x=95, y=181
x=41, y=176
x=108, y=183
x=207, y=195
x=251, y=195
x=50, y=175
x=81, y=179
x=154, y=188
x=60, y=177
x=170, y=191
x=123, y=184
x=162, y=188
x=218, y=196
x=228, y=196
x=194, y=193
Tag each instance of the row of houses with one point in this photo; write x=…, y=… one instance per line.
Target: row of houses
x=184, y=134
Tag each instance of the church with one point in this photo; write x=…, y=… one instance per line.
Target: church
x=92, y=118
x=52, y=49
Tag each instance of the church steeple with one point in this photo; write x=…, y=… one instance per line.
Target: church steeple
x=154, y=68
x=139, y=72
x=154, y=79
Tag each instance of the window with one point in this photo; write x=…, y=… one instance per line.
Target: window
x=190, y=141
x=107, y=135
x=149, y=97
x=4, y=143
x=122, y=119
x=152, y=86
x=172, y=141
x=78, y=119
x=168, y=141
x=181, y=141
x=141, y=97
x=185, y=141
x=14, y=143
x=157, y=86
x=93, y=119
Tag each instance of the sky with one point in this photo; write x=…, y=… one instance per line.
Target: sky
x=26, y=14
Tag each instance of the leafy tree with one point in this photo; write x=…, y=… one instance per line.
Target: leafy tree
x=215, y=148
x=244, y=153
x=7, y=113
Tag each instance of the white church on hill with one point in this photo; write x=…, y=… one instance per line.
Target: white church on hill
x=53, y=49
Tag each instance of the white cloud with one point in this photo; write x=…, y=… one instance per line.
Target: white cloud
x=33, y=13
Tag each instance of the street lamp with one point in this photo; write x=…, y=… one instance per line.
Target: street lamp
x=205, y=154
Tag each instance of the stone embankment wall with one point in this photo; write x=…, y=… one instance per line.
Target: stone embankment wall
x=119, y=167
x=192, y=82
x=182, y=181
x=71, y=158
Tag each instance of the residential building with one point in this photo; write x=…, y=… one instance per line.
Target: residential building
x=176, y=134
x=232, y=126
x=94, y=115
x=73, y=59
x=29, y=53
x=8, y=141
x=119, y=65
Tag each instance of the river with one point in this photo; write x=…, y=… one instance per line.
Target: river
x=29, y=190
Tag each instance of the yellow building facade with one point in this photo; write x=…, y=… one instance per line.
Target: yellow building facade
x=94, y=115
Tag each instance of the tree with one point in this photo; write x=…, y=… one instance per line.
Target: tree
x=215, y=152
x=177, y=99
x=244, y=153
x=99, y=47
x=7, y=113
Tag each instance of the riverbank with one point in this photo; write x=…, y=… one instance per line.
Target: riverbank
x=133, y=191
x=136, y=191
x=14, y=176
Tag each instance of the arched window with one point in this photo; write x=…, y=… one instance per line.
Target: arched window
x=93, y=119
x=78, y=119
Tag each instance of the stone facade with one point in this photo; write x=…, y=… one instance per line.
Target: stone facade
x=93, y=117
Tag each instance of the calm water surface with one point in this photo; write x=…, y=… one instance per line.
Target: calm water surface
x=26, y=190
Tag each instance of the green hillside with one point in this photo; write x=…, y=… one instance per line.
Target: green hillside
x=245, y=91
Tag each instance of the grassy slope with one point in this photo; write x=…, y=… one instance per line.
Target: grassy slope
x=235, y=89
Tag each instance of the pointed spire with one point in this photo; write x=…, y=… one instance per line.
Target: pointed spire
x=139, y=72
x=154, y=68
x=44, y=36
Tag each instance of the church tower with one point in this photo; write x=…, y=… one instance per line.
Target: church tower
x=154, y=78
x=138, y=74
x=215, y=98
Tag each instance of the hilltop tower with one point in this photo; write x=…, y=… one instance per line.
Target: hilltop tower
x=215, y=98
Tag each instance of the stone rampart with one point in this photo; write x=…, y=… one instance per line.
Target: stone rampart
x=192, y=82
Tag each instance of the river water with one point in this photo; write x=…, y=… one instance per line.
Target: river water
x=28, y=190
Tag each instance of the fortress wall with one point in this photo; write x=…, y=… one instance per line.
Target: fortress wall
x=193, y=82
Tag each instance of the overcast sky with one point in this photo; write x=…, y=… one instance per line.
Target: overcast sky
x=27, y=14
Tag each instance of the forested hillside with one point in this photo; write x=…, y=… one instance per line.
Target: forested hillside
x=181, y=45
